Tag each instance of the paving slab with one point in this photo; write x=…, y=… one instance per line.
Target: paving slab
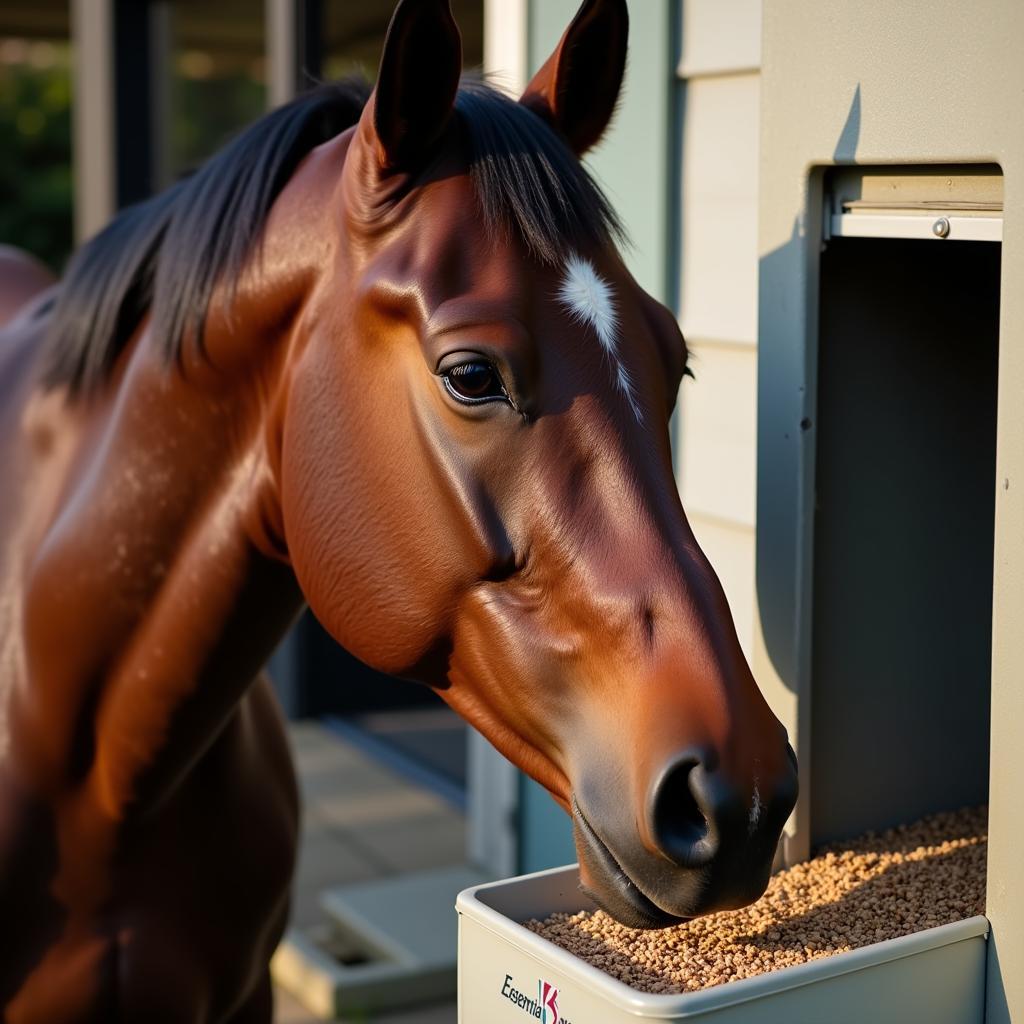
x=323, y=860
x=363, y=822
x=288, y=1011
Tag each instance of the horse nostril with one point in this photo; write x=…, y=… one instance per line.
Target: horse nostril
x=679, y=826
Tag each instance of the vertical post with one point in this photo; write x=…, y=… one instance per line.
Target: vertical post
x=161, y=73
x=117, y=47
x=309, y=37
x=294, y=47
x=492, y=808
x=282, y=52
x=133, y=91
x=1004, y=902
x=492, y=783
x=505, y=39
x=92, y=33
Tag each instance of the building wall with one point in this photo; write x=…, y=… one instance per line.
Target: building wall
x=716, y=287
x=856, y=84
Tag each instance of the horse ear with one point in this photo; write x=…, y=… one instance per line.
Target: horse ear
x=417, y=81
x=577, y=89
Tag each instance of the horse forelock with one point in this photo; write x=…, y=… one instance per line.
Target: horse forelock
x=528, y=181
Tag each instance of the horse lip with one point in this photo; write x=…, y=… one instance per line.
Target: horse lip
x=642, y=910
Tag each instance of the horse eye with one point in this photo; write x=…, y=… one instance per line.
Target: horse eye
x=476, y=381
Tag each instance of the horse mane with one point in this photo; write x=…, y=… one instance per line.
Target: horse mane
x=166, y=255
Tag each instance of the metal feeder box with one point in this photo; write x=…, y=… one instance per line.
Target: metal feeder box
x=507, y=974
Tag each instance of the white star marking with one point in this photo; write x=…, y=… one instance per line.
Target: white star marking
x=588, y=298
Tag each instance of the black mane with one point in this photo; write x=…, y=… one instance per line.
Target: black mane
x=528, y=180
x=167, y=254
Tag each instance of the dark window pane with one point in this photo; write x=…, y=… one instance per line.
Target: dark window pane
x=354, y=34
x=216, y=70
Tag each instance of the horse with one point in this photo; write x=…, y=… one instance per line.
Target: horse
x=381, y=355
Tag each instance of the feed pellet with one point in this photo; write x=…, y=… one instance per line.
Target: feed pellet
x=850, y=894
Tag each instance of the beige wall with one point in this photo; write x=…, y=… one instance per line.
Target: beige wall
x=717, y=288
x=920, y=82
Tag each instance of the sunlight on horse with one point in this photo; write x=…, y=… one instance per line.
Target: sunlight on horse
x=380, y=355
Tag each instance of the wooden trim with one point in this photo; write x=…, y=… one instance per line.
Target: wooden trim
x=505, y=43
x=92, y=133
x=294, y=34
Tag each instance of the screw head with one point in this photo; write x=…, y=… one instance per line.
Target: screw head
x=941, y=227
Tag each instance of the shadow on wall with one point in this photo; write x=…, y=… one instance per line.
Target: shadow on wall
x=786, y=444
x=849, y=138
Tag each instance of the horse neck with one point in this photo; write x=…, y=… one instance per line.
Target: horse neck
x=162, y=585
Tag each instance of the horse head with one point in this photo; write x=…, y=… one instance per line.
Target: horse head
x=476, y=478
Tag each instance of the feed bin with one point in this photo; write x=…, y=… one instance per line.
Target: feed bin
x=509, y=974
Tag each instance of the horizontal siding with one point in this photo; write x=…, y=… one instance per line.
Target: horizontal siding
x=720, y=36
x=730, y=550
x=718, y=285
x=717, y=452
x=716, y=449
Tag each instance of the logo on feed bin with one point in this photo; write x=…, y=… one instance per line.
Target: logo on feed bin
x=542, y=1007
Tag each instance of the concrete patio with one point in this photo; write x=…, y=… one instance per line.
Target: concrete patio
x=362, y=822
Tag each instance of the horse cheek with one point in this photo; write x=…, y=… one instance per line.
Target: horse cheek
x=375, y=565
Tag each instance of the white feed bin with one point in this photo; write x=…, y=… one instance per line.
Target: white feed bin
x=506, y=972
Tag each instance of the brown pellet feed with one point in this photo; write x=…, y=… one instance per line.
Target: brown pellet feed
x=850, y=894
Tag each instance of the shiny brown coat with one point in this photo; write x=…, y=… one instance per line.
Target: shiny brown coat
x=530, y=559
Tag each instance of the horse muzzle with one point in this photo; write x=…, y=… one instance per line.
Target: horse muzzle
x=699, y=847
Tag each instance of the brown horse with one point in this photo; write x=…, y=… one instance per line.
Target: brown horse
x=381, y=356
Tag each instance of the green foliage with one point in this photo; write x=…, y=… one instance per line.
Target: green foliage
x=35, y=157
x=36, y=186
x=207, y=112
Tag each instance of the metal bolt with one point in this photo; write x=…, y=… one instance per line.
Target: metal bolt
x=941, y=227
